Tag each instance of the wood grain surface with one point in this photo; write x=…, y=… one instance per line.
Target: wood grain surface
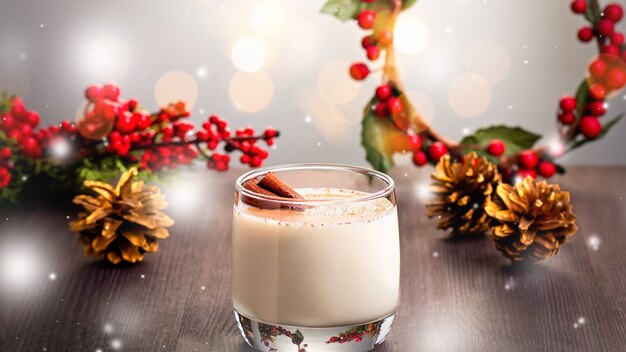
x=455, y=295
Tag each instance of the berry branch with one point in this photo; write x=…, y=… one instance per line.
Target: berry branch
x=392, y=125
x=118, y=132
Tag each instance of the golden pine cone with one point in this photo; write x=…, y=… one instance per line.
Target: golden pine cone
x=460, y=192
x=124, y=222
x=531, y=220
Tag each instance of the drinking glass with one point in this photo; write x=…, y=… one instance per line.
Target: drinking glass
x=318, y=274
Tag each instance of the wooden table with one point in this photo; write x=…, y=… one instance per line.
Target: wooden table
x=456, y=295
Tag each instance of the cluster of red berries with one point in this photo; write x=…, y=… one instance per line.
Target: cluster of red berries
x=166, y=139
x=6, y=164
x=346, y=337
x=388, y=103
x=530, y=164
x=20, y=124
x=589, y=124
x=372, y=43
x=608, y=72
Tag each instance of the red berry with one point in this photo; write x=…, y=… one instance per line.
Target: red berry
x=368, y=1
x=125, y=123
x=419, y=158
x=5, y=153
x=597, y=108
x=605, y=27
x=7, y=121
x=546, y=169
x=527, y=173
x=613, y=12
x=617, y=39
x=380, y=109
x=437, y=150
x=610, y=50
x=597, y=91
x=367, y=41
x=270, y=133
x=385, y=37
x=567, y=118
x=496, y=147
x=395, y=106
x=590, y=127
x=93, y=92
x=31, y=147
x=416, y=141
x=359, y=71
x=366, y=19
x=32, y=118
x=528, y=159
x=26, y=129
x=383, y=92
x=615, y=78
x=568, y=104
x=597, y=68
x=585, y=34
x=144, y=121
x=373, y=53
x=579, y=6
x=111, y=91
x=255, y=161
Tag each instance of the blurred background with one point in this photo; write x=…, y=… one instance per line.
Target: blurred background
x=282, y=63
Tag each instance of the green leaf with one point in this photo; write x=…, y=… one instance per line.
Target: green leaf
x=605, y=129
x=380, y=138
x=582, y=94
x=406, y=4
x=593, y=11
x=515, y=139
x=343, y=9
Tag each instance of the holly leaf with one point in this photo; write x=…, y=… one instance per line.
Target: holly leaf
x=582, y=94
x=593, y=11
x=381, y=139
x=407, y=4
x=605, y=129
x=5, y=102
x=343, y=9
x=516, y=139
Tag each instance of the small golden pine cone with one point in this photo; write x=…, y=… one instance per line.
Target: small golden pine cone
x=531, y=220
x=121, y=223
x=461, y=189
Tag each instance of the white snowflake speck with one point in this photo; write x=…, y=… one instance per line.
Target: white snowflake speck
x=466, y=131
x=116, y=344
x=52, y=276
x=319, y=144
x=509, y=283
x=41, y=25
x=203, y=288
x=143, y=276
x=526, y=62
x=98, y=350
x=594, y=242
x=108, y=328
x=581, y=320
x=436, y=254
x=308, y=119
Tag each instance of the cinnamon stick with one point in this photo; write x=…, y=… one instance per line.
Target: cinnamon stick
x=252, y=186
x=275, y=185
x=271, y=185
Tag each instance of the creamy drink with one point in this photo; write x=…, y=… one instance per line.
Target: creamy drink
x=321, y=271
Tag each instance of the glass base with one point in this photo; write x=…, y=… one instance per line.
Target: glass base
x=351, y=338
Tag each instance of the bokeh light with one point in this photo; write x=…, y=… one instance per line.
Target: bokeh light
x=251, y=92
x=489, y=59
x=106, y=58
x=469, y=94
x=411, y=35
x=174, y=86
x=19, y=266
x=268, y=18
x=249, y=54
x=334, y=83
x=326, y=117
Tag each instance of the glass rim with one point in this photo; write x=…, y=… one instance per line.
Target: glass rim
x=384, y=192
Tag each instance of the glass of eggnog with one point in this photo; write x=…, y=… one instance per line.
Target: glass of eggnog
x=316, y=259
